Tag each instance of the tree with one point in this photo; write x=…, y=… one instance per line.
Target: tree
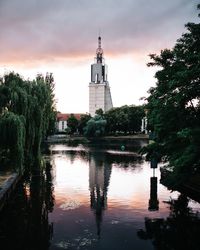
x=174, y=104
x=135, y=115
x=26, y=109
x=12, y=134
x=83, y=122
x=125, y=119
x=111, y=118
x=99, y=112
x=72, y=123
x=95, y=127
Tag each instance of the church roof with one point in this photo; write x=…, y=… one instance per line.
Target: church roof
x=64, y=117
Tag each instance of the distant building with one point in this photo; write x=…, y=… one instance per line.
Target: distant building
x=61, y=121
x=99, y=89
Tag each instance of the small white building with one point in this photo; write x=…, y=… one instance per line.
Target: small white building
x=99, y=89
x=61, y=121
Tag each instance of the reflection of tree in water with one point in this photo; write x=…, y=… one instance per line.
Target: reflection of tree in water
x=121, y=159
x=49, y=197
x=24, y=221
x=180, y=230
x=125, y=161
x=99, y=177
x=77, y=154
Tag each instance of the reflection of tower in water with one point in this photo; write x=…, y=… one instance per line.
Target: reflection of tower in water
x=99, y=177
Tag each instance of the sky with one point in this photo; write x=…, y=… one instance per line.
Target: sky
x=60, y=36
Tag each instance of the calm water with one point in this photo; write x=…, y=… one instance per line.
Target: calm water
x=98, y=199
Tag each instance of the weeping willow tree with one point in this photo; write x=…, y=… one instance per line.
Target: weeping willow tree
x=12, y=134
x=27, y=116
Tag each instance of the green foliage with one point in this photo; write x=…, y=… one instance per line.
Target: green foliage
x=83, y=122
x=68, y=131
x=174, y=104
x=99, y=112
x=26, y=114
x=72, y=124
x=12, y=134
x=125, y=119
x=4, y=97
x=95, y=127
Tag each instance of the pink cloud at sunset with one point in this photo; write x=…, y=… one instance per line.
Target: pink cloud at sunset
x=61, y=37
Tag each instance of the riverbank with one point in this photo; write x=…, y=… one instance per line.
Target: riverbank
x=139, y=139
x=8, y=182
x=126, y=142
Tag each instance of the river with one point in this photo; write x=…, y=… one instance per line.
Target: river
x=102, y=199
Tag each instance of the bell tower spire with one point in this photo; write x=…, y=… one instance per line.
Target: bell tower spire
x=99, y=51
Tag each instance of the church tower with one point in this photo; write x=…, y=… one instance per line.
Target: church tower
x=99, y=89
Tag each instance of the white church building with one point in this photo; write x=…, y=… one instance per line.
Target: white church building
x=99, y=89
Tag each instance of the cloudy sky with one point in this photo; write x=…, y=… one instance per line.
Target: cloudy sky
x=60, y=36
